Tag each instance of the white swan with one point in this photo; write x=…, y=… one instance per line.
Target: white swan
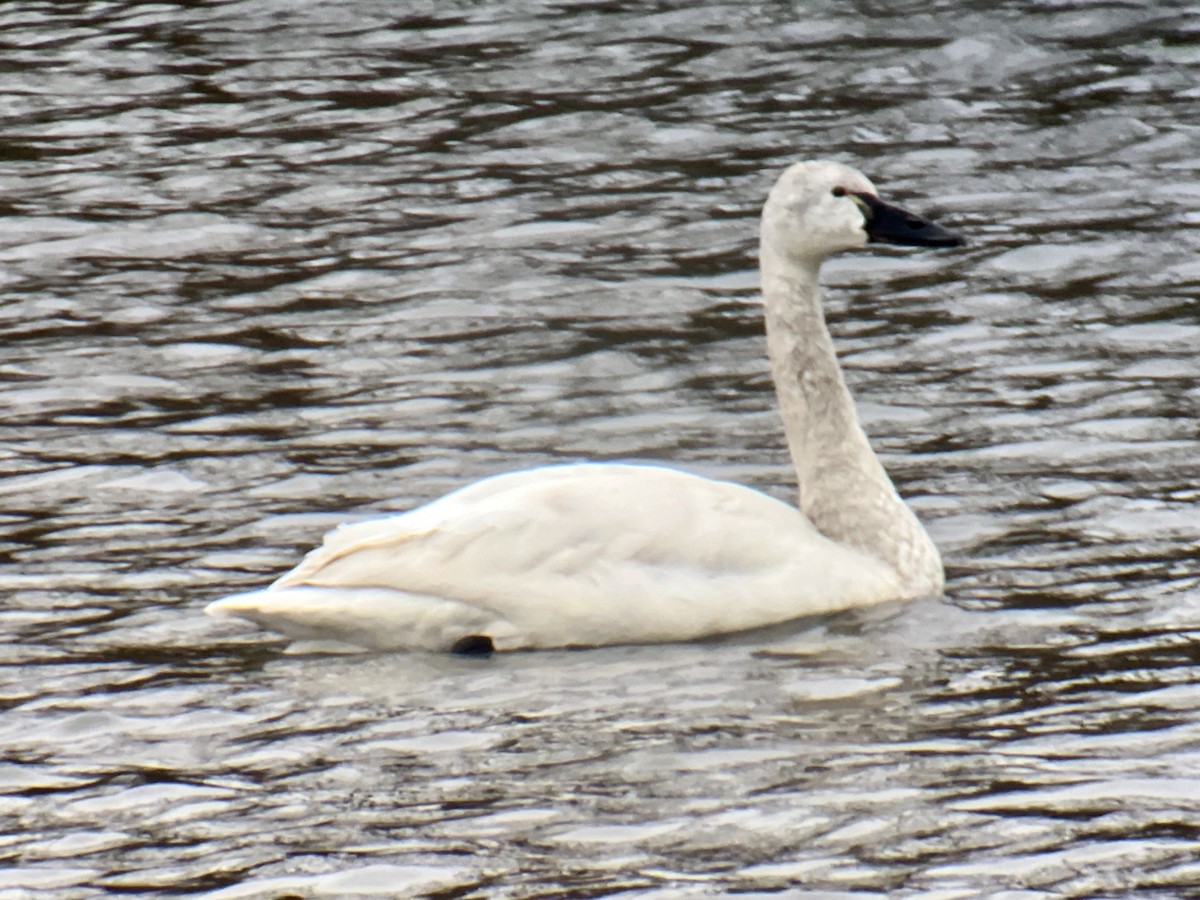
x=583, y=555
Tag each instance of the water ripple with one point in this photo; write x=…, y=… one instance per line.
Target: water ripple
x=268, y=267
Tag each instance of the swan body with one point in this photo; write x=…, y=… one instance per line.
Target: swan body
x=591, y=554
x=570, y=555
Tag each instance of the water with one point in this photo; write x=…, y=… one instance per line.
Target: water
x=270, y=265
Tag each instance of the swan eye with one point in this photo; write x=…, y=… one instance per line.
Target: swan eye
x=839, y=191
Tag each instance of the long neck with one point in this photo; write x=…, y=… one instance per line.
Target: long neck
x=844, y=490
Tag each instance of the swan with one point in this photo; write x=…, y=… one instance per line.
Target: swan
x=595, y=553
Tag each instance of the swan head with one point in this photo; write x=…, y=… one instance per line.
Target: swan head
x=820, y=208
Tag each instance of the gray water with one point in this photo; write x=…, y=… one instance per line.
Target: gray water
x=267, y=266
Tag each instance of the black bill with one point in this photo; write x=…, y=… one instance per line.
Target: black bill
x=887, y=224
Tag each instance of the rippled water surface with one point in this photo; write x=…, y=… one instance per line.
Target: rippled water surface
x=270, y=265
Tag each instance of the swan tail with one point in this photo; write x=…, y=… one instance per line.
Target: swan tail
x=367, y=618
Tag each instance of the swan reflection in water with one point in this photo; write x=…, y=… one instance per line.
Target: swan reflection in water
x=597, y=553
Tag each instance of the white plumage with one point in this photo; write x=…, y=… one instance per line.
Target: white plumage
x=592, y=554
